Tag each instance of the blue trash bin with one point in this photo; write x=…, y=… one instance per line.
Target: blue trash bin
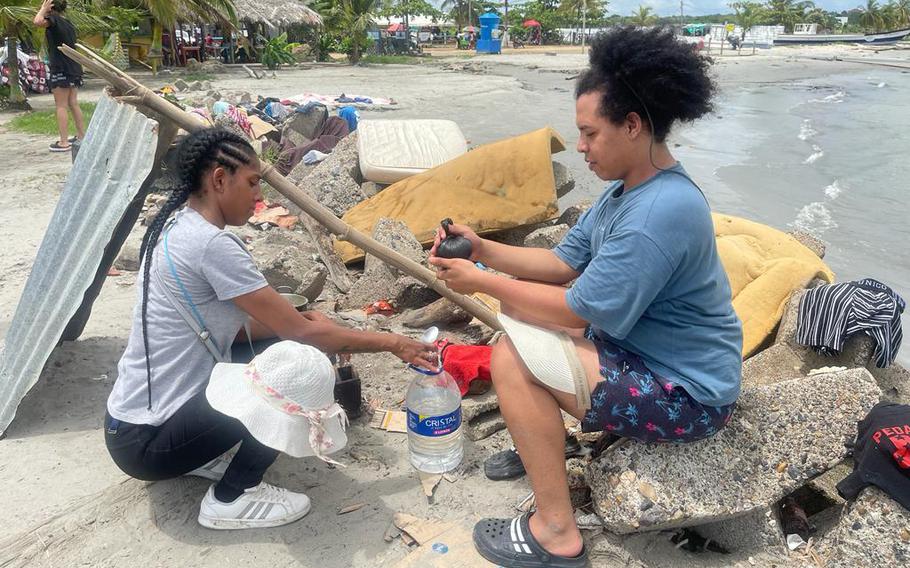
x=487, y=44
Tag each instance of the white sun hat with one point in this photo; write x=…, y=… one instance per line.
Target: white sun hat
x=551, y=357
x=285, y=398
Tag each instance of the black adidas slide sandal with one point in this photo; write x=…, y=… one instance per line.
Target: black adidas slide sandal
x=510, y=544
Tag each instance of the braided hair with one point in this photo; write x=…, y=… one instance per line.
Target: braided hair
x=196, y=155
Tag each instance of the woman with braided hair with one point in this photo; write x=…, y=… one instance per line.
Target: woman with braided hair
x=645, y=343
x=159, y=423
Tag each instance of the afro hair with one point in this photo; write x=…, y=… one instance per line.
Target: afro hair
x=649, y=72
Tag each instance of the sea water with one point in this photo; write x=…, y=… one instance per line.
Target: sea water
x=829, y=156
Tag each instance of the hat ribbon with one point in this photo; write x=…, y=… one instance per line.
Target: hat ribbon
x=320, y=440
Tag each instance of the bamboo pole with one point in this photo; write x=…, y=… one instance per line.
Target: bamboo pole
x=135, y=93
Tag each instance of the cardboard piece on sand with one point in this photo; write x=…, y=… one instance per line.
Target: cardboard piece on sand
x=420, y=530
x=451, y=548
x=429, y=482
x=390, y=420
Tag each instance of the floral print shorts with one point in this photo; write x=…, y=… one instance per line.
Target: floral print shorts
x=634, y=402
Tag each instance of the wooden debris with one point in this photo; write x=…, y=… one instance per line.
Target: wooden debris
x=419, y=530
x=351, y=508
x=429, y=483
x=391, y=533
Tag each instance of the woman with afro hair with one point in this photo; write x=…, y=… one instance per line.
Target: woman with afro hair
x=649, y=310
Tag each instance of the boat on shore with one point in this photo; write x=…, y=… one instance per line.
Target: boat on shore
x=805, y=34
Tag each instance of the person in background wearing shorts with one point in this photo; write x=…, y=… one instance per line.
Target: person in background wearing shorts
x=66, y=74
x=649, y=318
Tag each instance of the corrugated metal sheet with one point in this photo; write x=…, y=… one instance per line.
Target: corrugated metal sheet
x=116, y=157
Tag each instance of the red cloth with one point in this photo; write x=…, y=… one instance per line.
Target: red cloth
x=467, y=363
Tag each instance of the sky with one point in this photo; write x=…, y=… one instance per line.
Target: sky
x=697, y=7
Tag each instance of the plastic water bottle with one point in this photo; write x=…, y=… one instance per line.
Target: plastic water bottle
x=434, y=421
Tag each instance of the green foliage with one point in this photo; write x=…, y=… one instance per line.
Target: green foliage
x=747, y=14
x=595, y=11
x=787, y=12
x=325, y=44
x=276, y=51
x=404, y=8
x=643, y=17
x=354, y=47
x=270, y=154
x=45, y=121
x=345, y=26
x=871, y=18
x=356, y=17
x=468, y=12
x=124, y=21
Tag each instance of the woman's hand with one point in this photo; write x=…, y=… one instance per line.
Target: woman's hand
x=416, y=353
x=459, y=274
x=464, y=231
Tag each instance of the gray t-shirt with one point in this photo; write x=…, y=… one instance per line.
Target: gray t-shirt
x=215, y=267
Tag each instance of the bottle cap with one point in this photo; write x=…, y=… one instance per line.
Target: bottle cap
x=430, y=335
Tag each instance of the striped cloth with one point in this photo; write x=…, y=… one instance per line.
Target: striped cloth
x=829, y=315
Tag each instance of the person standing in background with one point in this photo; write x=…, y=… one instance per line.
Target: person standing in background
x=66, y=74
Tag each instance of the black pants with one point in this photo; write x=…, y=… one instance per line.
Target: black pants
x=195, y=435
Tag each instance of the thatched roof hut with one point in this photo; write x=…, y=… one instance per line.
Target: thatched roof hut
x=275, y=13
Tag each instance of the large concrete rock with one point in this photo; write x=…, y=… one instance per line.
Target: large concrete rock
x=781, y=436
x=563, y=178
x=288, y=258
x=516, y=236
x=814, y=244
x=383, y=282
x=334, y=188
x=302, y=128
x=395, y=235
x=874, y=531
x=574, y=212
x=345, y=155
x=776, y=363
x=335, y=182
x=758, y=530
x=480, y=415
x=894, y=381
x=826, y=483
x=857, y=351
x=546, y=237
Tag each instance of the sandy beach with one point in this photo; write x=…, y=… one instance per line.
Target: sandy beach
x=68, y=505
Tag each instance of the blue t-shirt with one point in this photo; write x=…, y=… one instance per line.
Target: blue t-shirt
x=652, y=283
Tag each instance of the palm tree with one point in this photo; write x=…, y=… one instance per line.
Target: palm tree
x=871, y=17
x=464, y=12
x=747, y=15
x=166, y=13
x=582, y=10
x=16, y=22
x=902, y=10
x=788, y=12
x=356, y=18
x=896, y=14
x=644, y=17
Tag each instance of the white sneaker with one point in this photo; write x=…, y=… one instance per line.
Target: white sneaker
x=214, y=470
x=259, y=507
